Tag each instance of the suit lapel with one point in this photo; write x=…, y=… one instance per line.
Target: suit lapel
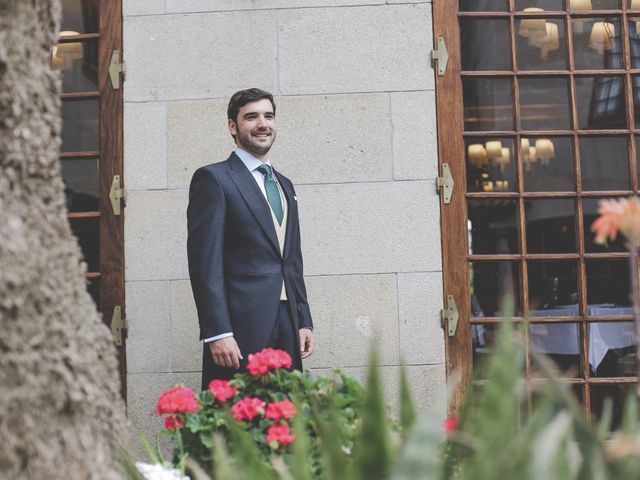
x=291, y=205
x=254, y=198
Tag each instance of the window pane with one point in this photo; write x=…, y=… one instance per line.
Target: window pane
x=548, y=164
x=491, y=164
x=488, y=104
x=485, y=44
x=78, y=65
x=590, y=213
x=544, y=103
x=608, y=287
x=80, y=15
x=80, y=125
x=548, y=5
x=550, y=225
x=635, y=80
x=86, y=231
x=81, y=184
x=94, y=290
x=601, y=103
x=493, y=285
x=493, y=226
x=612, y=351
x=540, y=44
x=483, y=339
x=553, y=289
x=618, y=395
x=560, y=342
x=484, y=5
x=596, y=43
x=604, y=163
x=633, y=29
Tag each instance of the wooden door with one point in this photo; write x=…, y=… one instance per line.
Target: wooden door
x=539, y=117
x=91, y=150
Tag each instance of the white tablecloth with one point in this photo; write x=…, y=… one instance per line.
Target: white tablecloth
x=564, y=338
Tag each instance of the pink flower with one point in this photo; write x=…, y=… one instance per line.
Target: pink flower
x=279, y=410
x=450, y=425
x=172, y=421
x=177, y=400
x=268, y=359
x=247, y=408
x=221, y=390
x=617, y=216
x=279, y=433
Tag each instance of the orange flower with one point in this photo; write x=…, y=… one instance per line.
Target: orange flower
x=617, y=216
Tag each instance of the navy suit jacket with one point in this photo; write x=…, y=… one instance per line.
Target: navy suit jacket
x=235, y=264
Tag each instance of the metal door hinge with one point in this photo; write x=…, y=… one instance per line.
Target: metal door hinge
x=440, y=57
x=118, y=325
x=446, y=183
x=117, y=195
x=450, y=314
x=116, y=67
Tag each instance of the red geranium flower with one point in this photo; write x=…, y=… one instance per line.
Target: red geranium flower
x=268, y=359
x=221, y=390
x=450, y=425
x=279, y=410
x=279, y=433
x=247, y=408
x=172, y=421
x=177, y=400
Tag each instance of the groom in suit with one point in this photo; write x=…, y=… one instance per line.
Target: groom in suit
x=245, y=262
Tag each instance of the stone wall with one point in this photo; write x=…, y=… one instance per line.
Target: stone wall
x=356, y=134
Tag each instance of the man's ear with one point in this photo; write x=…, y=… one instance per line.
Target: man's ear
x=233, y=129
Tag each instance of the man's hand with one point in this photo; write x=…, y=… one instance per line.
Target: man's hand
x=225, y=352
x=307, y=342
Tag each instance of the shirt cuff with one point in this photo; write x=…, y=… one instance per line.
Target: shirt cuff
x=218, y=337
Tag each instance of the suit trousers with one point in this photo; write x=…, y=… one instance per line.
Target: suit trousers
x=283, y=337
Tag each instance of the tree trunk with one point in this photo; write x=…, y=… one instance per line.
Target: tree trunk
x=60, y=405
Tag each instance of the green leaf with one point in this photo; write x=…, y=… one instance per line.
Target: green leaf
x=407, y=410
x=374, y=458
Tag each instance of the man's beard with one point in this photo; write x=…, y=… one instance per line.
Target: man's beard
x=253, y=148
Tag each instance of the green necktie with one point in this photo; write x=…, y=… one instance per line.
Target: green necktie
x=273, y=194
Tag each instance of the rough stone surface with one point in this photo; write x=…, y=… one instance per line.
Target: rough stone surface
x=419, y=302
x=415, y=145
x=381, y=227
x=333, y=138
x=198, y=135
x=180, y=6
x=142, y=7
x=143, y=390
x=187, y=348
x=61, y=413
x=199, y=56
x=355, y=49
x=149, y=339
x=145, y=145
x=349, y=311
x=156, y=245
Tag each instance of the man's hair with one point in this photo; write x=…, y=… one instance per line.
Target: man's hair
x=241, y=98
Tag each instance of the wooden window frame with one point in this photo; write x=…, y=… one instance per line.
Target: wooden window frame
x=110, y=163
x=451, y=150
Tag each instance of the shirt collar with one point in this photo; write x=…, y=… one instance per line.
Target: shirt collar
x=249, y=160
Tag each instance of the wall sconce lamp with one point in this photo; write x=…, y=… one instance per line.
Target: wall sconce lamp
x=602, y=35
x=545, y=150
x=65, y=53
x=533, y=28
x=477, y=155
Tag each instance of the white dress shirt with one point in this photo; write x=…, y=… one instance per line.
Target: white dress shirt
x=252, y=163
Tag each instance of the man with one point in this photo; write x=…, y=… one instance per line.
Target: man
x=245, y=261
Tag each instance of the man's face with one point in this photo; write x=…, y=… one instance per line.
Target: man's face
x=255, y=128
